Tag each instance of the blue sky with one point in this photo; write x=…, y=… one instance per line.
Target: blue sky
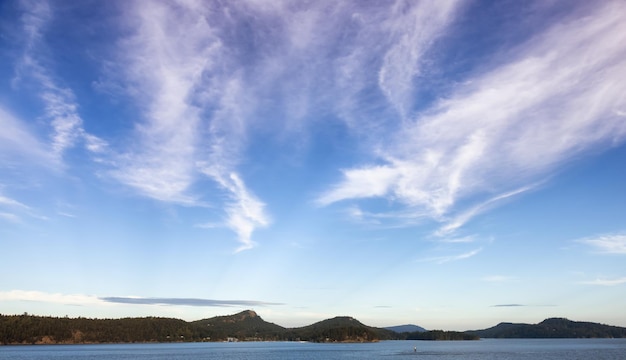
x=451, y=164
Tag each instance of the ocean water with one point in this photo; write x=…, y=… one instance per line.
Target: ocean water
x=501, y=349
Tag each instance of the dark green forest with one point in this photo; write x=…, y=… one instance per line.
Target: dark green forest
x=27, y=329
x=244, y=326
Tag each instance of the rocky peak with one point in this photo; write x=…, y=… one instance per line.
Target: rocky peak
x=249, y=313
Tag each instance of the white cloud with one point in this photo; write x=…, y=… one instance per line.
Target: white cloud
x=554, y=99
x=16, y=209
x=374, y=181
x=457, y=221
x=244, y=211
x=57, y=298
x=384, y=219
x=607, y=244
x=606, y=282
x=458, y=240
x=12, y=203
x=450, y=258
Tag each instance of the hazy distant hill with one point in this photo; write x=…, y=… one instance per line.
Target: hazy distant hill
x=406, y=328
x=552, y=328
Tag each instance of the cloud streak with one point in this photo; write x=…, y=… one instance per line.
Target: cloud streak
x=607, y=244
x=451, y=258
x=184, y=302
x=163, y=68
x=17, y=142
x=56, y=298
x=606, y=282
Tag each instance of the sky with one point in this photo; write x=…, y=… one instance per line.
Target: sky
x=450, y=164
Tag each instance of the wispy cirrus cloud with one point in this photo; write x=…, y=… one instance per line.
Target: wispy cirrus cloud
x=17, y=142
x=458, y=220
x=606, y=243
x=11, y=205
x=193, y=115
x=496, y=132
x=244, y=212
x=5, y=201
x=162, y=68
x=61, y=107
x=451, y=258
x=14, y=210
x=606, y=282
x=203, y=82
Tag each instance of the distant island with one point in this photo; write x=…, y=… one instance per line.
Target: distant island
x=552, y=328
x=249, y=326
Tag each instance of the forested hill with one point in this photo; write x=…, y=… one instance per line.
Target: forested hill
x=552, y=328
x=341, y=329
x=28, y=329
x=246, y=325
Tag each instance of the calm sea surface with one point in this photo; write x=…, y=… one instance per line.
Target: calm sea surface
x=501, y=349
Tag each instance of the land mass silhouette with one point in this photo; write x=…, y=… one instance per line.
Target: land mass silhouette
x=249, y=326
